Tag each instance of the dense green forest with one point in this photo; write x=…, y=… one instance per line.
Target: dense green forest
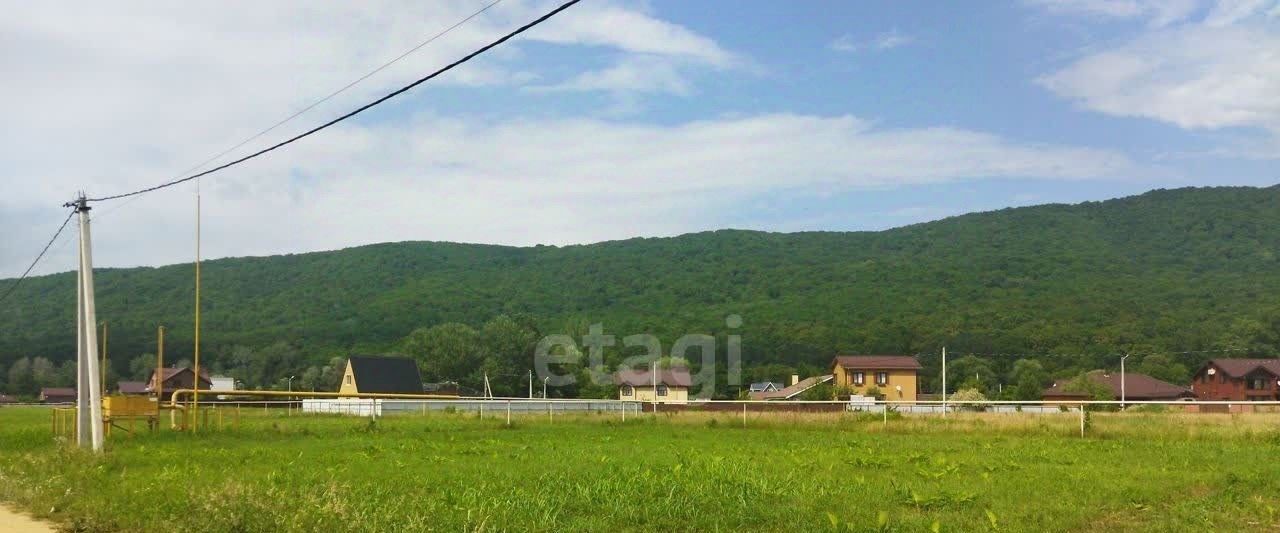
x=1175, y=276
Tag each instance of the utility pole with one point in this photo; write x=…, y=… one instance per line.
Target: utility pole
x=88, y=375
x=195, y=379
x=530, y=384
x=159, y=376
x=1122, y=391
x=944, y=382
x=104, y=357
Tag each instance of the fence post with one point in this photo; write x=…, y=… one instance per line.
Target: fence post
x=884, y=408
x=744, y=414
x=1082, y=420
x=624, y=411
x=508, y=412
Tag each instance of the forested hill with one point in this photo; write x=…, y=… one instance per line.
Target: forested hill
x=1170, y=270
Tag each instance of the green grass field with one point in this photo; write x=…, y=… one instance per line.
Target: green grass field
x=455, y=472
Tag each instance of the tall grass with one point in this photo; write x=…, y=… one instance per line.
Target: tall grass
x=705, y=472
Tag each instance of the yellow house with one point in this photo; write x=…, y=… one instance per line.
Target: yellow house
x=895, y=376
x=380, y=375
x=669, y=386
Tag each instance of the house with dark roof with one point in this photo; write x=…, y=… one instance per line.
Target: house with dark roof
x=173, y=378
x=58, y=395
x=131, y=388
x=793, y=391
x=1136, y=387
x=380, y=375
x=895, y=376
x=669, y=385
x=1238, y=380
x=765, y=386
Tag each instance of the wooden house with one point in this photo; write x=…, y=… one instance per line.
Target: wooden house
x=1238, y=380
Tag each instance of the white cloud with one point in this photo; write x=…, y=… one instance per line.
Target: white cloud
x=552, y=181
x=592, y=23
x=1159, y=12
x=1222, y=71
x=884, y=41
x=111, y=101
x=634, y=73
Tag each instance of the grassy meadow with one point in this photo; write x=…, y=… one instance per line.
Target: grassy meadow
x=687, y=472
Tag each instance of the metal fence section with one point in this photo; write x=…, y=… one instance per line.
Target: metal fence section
x=377, y=407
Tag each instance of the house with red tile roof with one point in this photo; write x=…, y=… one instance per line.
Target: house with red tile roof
x=1136, y=387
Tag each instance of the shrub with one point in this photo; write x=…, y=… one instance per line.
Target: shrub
x=970, y=395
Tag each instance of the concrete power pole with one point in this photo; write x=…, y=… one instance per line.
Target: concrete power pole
x=1122, y=387
x=944, y=382
x=88, y=374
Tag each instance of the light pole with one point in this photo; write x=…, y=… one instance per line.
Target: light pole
x=1122, y=387
x=530, y=384
x=544, y=387
x=289, y=409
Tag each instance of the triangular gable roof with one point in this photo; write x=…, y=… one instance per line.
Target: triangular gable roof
x=1239, y=368
x=877, y=362
x=385, y=375
x=787, y=393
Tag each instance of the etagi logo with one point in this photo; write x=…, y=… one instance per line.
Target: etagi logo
x=557, y=353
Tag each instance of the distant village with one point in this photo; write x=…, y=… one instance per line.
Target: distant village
x=891, y=378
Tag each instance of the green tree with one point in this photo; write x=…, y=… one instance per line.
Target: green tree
x=444, y=352
x=20, y=379
x=1029, y=378
x=44, y=373
x=972, y=372
x=1162, y=367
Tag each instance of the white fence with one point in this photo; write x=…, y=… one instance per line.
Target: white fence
x=383, y=407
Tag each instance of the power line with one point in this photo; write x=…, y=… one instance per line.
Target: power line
x=14, y=287
x=353, y=113
x=326, y=98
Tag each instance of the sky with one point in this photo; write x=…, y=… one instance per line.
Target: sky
x=615, y=119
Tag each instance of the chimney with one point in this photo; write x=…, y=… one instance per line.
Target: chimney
x=795, y=378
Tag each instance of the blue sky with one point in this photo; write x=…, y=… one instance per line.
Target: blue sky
x=621, y=118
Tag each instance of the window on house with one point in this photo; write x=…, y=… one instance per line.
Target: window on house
x=882, y=378
x=1222, y=378
x=627, y=390
x=859, y=378
x=1257, y=384
x=662, y=390
x=348, y=379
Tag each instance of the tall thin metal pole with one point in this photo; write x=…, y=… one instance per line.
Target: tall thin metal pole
x=1122, y=391
x=88, y=324
x=104, y=357
x=195, y=397
x=159, y=375
x=944, y=382
x=531, y=384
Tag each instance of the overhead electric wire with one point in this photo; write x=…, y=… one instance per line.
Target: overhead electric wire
x=326, y=98
x=350, y=114
x=14, y=287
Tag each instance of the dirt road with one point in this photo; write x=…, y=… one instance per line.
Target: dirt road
x=13, y=522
